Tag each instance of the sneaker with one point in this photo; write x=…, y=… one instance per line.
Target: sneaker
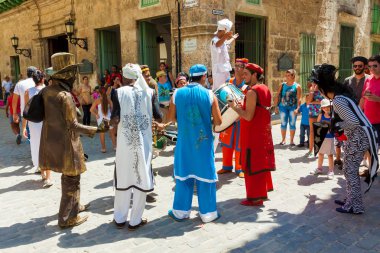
x=47, y=183
x=309, y=154
x=18, y=139
x=301, y=145
x=317, y=171
x=330, y=175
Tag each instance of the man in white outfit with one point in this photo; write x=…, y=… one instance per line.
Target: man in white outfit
x=19, y=92
x=220, y=59
x=132, y=114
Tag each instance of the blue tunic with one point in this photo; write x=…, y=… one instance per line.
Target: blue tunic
x=194, y=152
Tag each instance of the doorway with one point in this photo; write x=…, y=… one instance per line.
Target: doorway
x=15, y=69
x=251, y=41
x=57, y=44
x=155, y=42
x=109, y=48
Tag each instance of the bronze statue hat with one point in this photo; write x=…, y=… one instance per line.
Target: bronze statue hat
x=62, y=65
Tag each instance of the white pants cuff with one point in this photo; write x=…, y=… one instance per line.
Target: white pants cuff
x=181, y=214
x=207, y=217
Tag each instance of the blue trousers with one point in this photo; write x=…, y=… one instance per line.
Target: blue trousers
x=183, y=198
x=304, y=129
x=287, y=115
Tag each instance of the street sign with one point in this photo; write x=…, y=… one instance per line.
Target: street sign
x=218, y=12
x=190, y=3
x=189, y=45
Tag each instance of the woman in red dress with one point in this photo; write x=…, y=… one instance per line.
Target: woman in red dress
x=257, y=151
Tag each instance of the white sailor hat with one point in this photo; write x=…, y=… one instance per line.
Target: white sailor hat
x=198, y=70
x=224, y=24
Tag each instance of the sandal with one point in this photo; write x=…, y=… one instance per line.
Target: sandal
x=282, y=143
x=103, y=150
x=142, y=223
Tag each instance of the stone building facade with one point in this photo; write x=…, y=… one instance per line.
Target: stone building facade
x=274, y=33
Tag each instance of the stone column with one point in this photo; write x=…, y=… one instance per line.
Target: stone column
x=197, y=27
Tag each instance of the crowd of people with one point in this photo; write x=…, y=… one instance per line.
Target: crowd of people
x=129, y=103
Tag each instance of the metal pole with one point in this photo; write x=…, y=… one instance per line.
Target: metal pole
x=179, y=37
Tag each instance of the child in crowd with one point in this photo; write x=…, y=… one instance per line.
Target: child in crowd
x=15, y=126
x=96, y=94
x=327, y=147
x=304, y=126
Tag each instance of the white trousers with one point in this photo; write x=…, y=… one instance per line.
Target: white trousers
x=218, y=79
x=35, y=138
x=122, y=203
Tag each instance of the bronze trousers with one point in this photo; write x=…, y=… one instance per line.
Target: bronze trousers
x=69, y=207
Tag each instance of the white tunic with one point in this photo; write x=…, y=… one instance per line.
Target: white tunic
x=134, y=140
x=220, y=61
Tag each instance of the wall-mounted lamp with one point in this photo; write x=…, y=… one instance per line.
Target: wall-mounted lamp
x=25, y=52
x=81, y=42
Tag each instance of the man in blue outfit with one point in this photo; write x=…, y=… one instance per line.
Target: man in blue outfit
x=192, y=106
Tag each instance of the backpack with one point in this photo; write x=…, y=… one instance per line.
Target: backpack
x=34, y=110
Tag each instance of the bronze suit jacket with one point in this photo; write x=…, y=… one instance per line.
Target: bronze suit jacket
x=60, y=148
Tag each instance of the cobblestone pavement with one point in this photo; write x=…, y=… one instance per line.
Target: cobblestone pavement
x=300, y=216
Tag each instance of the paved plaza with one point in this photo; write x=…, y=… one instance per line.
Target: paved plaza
x=300, y=216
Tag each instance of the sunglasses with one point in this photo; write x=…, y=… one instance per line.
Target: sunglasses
x=239, y=66
x=372, y=66
x=357, y=66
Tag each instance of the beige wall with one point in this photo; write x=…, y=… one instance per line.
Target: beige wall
x=35, y=21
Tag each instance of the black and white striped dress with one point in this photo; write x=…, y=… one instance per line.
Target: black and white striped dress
x=360, y=138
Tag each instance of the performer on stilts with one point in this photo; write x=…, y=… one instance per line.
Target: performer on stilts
x=230, y=138
x=220, y=59
x=192, y=106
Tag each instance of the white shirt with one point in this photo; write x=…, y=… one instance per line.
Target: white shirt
x=220, y=58
x=6, y=85
x=20, y=89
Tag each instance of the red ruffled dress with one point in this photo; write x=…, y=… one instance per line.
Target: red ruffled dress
x=257, y=151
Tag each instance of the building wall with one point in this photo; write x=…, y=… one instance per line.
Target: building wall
x=35, y=21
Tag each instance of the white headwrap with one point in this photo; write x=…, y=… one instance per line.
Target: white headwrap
x=224, y=24
x=133, y=71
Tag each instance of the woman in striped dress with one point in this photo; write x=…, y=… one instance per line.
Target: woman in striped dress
x=347, y=116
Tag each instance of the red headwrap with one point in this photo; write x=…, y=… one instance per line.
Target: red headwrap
x=242, y=60
x=254, y=67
